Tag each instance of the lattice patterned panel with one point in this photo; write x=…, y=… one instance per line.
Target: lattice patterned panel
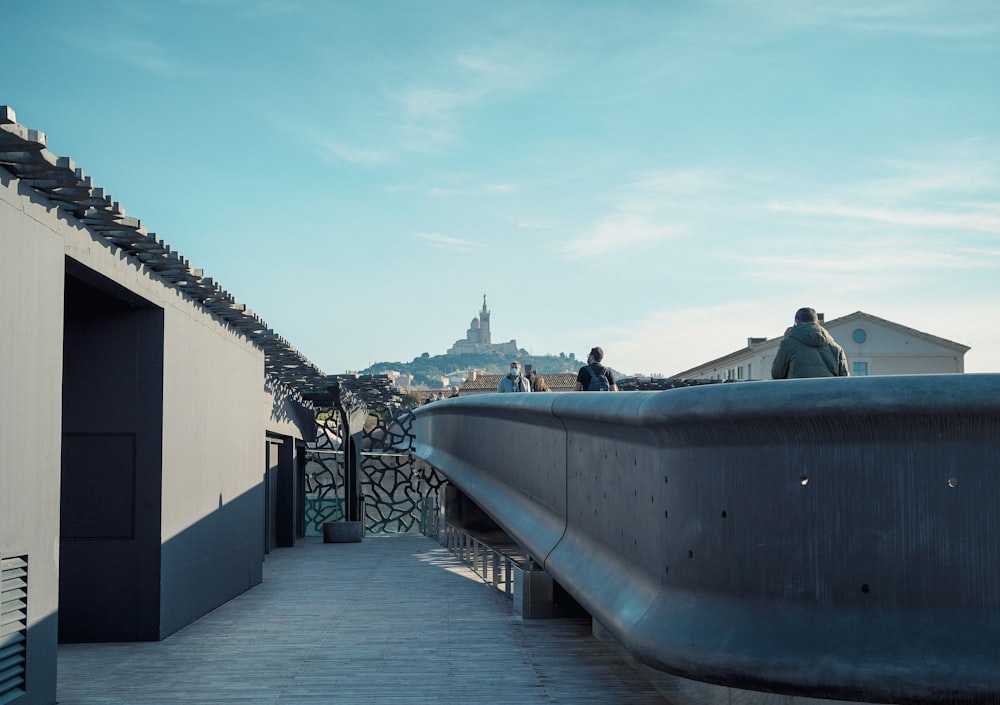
x=324, y=478
x=398, y=489
x=13, y=626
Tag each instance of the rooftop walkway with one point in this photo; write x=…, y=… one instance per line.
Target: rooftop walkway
x=389, y=620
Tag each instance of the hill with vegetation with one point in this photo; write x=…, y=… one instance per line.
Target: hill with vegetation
x=427, y=370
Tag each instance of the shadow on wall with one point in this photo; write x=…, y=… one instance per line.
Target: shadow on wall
x=36, y=683
x=119, y=580
x=122, y=589
x=284, y=409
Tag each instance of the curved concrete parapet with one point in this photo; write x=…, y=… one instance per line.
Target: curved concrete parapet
x=833, y=538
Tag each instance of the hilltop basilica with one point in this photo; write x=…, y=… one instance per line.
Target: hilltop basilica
x=477, y=338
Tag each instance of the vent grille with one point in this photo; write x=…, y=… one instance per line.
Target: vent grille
x=13, y=626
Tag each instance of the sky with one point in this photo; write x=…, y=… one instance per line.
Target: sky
x=662, y=178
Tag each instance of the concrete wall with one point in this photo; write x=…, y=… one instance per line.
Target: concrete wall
x=830, y=538
x=211, y=502
x=213, y=506
x=137, y=420
x=31, y=323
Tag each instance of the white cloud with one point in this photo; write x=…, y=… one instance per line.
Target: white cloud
x=616, y=232
x=433, y=104
x=482, y=190
x=481, y=65
x=916, y=230
x=875, y=258
x=929, y=18
x=432, y=112
x=654, y=208
x=967, y=168
x=984, y=221
x=877, y=268
x=339, y=152
x=667, y=341
x=446, y=242
x=128, y=48
x=951, y=188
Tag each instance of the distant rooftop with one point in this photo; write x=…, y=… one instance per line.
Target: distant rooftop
x=559, y=381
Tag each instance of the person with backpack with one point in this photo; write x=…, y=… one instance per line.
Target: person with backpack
x=594, y=377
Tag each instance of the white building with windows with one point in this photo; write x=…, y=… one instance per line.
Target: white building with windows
x=873, y=345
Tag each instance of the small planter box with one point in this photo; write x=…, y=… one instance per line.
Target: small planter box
x=343, y=532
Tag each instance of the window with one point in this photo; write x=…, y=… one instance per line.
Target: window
x=859, y=369
x=859, y=336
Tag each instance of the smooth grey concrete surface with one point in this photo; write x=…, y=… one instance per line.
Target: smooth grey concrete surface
x=31, y=330
x=388, y=620
x=820, y=537
x=164, y=388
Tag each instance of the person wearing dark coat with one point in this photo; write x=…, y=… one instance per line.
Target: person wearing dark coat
x=808, y=350
x=594, y=370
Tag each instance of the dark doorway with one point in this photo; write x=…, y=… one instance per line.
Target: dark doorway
x=112, y=419
x=281, y=490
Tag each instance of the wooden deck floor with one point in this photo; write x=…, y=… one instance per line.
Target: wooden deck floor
x=389, y=620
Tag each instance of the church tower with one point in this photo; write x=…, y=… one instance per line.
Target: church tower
x=479, y=339
x=484, y=324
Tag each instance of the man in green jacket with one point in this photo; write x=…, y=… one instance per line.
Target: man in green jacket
x=808, y=350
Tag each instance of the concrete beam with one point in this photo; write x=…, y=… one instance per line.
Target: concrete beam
x=830, y=538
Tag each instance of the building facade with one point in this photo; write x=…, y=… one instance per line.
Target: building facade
x=152, y=429
x=873, y=345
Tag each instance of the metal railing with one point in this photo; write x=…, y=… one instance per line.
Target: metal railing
x=496, y=566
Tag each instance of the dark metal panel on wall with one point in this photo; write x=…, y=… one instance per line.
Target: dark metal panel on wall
x=299, y=519
x=109, y=559
x=271, y=473
x=284, y=467
x=286, y=493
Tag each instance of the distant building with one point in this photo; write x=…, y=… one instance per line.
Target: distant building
x=874, y=346
x=400, y=380
x=478, y=338
x=487, y=384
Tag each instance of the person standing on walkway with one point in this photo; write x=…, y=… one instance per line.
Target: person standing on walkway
x=538, y=383
x=808, y=350
x=514, y=381
x=595, y=377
